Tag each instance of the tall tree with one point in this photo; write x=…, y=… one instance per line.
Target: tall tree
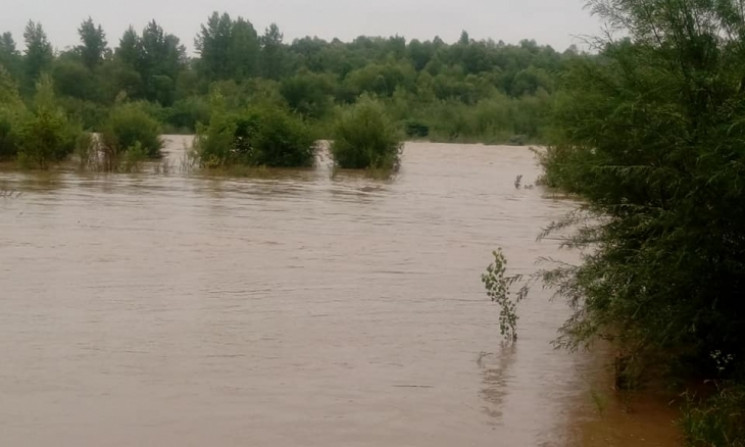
x=158, y=58
x=128, y=51
x=38, y=55
x=212, y=45
x=94, y=43
x=10, y=57
x=272, y=53
x=651, y=134
x=228, y=48
x=243, y=50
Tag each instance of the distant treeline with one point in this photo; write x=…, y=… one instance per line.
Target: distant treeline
x=466, y=91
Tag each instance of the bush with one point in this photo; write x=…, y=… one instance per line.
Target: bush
x=11, y=110
x=717, y=421
x=9, y=121
x=214, y=143
x=46, y=135
x=281, y=140
x=186, y=113
x=129, y=125
x=417, y=129
x=365, y=138
x=266, y=136
x=90, y=114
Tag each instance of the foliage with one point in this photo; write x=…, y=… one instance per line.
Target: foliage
x=650, y=134
x=466, y=91
x=718, y=420
x=308, y=94
x=498, y=289
x=364, y=137
x=46, y=135
x=129, y=126
x=157, y=57
x=10, y=57
x=8, y=133
x=281, y=140
x=229, y=49
x=11, y=111
x=94, y=44
x=257, y=136
x=38, y=56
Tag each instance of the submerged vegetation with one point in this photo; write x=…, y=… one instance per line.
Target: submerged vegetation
x=255, y=136
x=650, y=135
x=365, y=138
x=465, y=91
x=129, y=127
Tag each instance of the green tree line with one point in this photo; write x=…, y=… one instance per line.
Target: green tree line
x=465, y=91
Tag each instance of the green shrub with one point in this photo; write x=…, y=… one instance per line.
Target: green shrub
x=214, y=142
x=90, y=114
x=9, y=121
x=717, y=421
x=184, y=114
x=266, y=136
x=282, y=140
x=46, y=135
x=133, y=158
x=308, y=94
x=11, y=110
x=129, y=125
x=417, y=129
x=365, y=138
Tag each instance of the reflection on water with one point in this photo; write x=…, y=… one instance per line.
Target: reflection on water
x=496, y=380
x=290, y=308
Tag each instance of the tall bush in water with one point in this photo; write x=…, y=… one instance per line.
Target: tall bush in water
x=258, y=136
x=129, y=126
x=364, y=137
x=46, y=135
x=11, y=111
x=651, y=134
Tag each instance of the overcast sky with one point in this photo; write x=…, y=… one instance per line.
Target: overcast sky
x=553, y=22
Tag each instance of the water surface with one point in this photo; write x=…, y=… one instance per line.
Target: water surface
x=297, y=308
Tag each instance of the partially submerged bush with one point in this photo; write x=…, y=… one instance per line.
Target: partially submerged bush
x=364, y=138
x=265, y=136
x=281, y=140
x=9, y=127
x=45, y=134
x=719, y=420
x=130, y=126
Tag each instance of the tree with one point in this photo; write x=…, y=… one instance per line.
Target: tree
x=10, y=57
x=157, y=57
x=94, y=43
x=243, y=50
x=11, y=109
x=129, y=49
x=46, y=135
x=308, y=94
x=72, y=78
x=650, y=133
x=38, y=55
x=272, y=53
x=365, y=138
x=212, y=45
x=228, y=48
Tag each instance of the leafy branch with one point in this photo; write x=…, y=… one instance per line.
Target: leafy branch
x=497, y=286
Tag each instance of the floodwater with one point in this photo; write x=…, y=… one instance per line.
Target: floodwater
x=293, y=308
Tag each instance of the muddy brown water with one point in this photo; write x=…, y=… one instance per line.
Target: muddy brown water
x=288, y=309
